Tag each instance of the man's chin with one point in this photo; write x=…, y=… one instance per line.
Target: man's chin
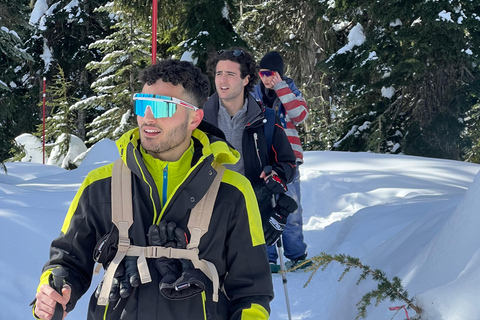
x=149, y=145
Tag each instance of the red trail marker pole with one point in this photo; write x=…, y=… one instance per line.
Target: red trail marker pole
x=154, y=30
x=43, y=133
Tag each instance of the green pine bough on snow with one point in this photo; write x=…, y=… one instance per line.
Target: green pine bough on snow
x=386, y=289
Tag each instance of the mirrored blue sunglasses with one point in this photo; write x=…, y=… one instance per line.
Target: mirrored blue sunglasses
x=161, y=106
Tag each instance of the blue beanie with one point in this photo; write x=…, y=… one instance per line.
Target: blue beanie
x=272, y=61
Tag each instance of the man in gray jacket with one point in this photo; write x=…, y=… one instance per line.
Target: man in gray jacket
x=268, y=165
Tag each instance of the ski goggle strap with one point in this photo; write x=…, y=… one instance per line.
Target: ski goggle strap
x=161, y=106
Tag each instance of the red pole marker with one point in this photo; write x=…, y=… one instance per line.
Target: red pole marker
x=154, y=30
x=43, y=134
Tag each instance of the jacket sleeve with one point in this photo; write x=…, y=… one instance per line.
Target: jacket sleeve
x=292, y=100
x=73, y=249
x=248, y=283
x=282, y=156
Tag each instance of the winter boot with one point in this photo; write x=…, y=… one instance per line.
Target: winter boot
x=301, y=262
x=274, y=267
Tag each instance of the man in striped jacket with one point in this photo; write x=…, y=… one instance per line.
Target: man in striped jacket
x=280, y=93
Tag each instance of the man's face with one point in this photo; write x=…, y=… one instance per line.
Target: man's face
x=228, y=81
x=168, y=138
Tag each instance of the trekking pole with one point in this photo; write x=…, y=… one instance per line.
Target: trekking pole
x=283, y=271
x=59, y=275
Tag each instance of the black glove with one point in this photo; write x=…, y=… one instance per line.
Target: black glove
x=286, y=204
x=273, y=226
x=274, y=223
x=125, y=279
x=264, y=198
x=180, y=280
x=190, y=283
x=169, y=236
x=275, y=184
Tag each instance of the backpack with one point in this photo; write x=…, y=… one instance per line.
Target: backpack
x=122, y=217
x=269, y=127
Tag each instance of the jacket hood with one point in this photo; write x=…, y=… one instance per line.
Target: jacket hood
x=205, y=143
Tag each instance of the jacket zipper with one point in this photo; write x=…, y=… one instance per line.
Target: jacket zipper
x=164, y=185
x=255, y=138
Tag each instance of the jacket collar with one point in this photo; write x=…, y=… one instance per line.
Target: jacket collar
x=254, y=111
x=205, y=144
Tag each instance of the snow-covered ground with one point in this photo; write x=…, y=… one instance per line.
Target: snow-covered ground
x=415, y=218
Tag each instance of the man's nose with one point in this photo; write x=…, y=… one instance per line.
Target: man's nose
x=148, y=114
x=222, y=77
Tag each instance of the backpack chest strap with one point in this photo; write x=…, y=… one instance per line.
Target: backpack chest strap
x=155, y=252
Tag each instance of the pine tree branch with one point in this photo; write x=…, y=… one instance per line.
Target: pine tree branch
x=386, y=289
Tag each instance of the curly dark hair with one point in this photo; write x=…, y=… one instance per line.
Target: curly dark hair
x=248, y=66
x=193, y=80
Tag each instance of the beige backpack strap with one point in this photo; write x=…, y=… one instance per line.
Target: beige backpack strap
x=122, y=217
x=198, y=224
x=202, y=212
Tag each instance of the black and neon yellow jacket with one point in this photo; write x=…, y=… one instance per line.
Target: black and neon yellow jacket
x=168, y=191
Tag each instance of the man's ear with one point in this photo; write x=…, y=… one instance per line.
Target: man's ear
x=196, y=119
x=246, y=80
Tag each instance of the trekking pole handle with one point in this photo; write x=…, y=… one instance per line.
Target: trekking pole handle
x=59, y=274
x=268, y=170
x=279, y=242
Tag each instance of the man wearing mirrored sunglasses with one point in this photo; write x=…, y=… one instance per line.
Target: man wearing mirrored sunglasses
x=282, y=95
x=173, y=157
x=233, y=109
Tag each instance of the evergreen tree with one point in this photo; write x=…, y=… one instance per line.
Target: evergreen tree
x=299, y=32
x=61, y=120
x=63, y=34
x=126, y=53
x=403, y=74
x=191, y=29
x=16, y=113
x=207, y=26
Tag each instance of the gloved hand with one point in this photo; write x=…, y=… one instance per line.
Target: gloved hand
x=125, y=279
x=274, y=223
x=190, y=283
x=180, y=280
x=275, y=184
x=264, y=198
x=273, y=226
x=169, y=236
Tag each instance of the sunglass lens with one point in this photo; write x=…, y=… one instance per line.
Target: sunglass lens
x=236, y=52
x=160, y=109
x=266, y=73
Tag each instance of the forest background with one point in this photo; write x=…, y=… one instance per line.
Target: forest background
x=390, y=76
